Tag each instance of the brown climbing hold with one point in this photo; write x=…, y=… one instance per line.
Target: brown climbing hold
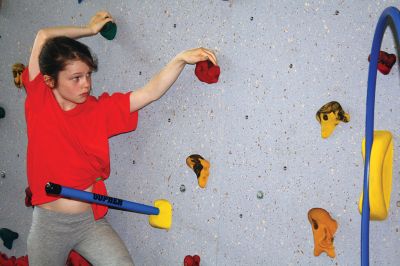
x=17, y=70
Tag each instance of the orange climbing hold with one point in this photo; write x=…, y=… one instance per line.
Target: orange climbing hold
x=323, y=228
x=201, y=167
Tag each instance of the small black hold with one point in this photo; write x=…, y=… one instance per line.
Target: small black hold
x=140, y=73
x=251, y=18
x=2, y=112
x=291, y=66
x=337, y=12
x=174, y=25
x=8, y=237
x=260, y=194
x=241, y=215
x=285, y=168
x=169, y=119
x=133, y=162
x=247, y=117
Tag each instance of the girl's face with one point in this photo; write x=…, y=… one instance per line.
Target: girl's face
x=74, y=85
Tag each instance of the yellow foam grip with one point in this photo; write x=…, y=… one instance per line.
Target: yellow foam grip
x=164, y=219
x=380, y=175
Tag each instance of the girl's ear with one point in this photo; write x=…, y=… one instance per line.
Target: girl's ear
x=49, y=81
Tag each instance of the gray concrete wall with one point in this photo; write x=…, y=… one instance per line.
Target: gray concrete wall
x=280, y=62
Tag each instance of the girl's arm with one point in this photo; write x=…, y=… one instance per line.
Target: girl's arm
x=161, y=82
x=95, y=25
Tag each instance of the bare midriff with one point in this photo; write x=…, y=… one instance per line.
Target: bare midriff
x=70, y=206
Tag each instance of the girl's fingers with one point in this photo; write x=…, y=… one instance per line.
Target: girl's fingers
x=105, y=15
x=210, y=56
x=108, y=15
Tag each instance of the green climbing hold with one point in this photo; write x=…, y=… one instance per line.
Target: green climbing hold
x=8, y=237
x=2, y=112
x=109, y=30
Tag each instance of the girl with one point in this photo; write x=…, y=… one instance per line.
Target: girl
x=68, y=131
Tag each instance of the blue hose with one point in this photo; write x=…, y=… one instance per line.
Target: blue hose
x=394, y=14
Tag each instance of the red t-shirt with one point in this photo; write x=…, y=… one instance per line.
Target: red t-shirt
x=71, y=148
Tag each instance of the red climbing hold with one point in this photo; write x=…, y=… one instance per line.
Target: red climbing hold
x=191, y=260
x=385, y=62
x=207, y=72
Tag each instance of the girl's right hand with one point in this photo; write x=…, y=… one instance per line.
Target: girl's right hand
x=98, y=21
x=196, y=55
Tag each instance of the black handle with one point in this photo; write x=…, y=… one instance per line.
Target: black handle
x=52, y=188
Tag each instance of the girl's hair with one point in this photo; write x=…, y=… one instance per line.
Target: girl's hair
x=56, y=53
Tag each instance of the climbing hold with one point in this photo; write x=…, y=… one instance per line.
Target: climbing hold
x=182, y=188
x=191, y=260
x=28, y=197
x=13, y=261
x=8, y=237
x=323, y=228
x=17, y=70
x=109, y=30
x=260, y=194
x=164, y=219
x=74, y=258
x=201, y=167
x=2, y=112
x=329, y=117
x=385, y=62
x=207, y=72
x=380, y=175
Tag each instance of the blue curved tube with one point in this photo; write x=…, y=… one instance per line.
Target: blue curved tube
x=394, y=14
x=116, y=203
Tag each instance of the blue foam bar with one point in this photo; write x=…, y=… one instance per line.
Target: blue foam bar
x=67, y=192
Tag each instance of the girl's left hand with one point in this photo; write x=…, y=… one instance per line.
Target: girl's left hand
x=193, y=56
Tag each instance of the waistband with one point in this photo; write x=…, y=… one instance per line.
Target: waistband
x=62, y=217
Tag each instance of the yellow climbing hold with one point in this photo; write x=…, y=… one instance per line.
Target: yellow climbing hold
x=329, y=117
x=201, y=167
x=164, y=218
x=380, y=175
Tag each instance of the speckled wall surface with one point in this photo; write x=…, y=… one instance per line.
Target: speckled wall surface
x=280, y=62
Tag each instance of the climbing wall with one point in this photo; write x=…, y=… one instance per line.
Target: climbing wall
x=280, y=62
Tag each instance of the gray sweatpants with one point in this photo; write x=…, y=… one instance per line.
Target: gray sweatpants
x=53, y=235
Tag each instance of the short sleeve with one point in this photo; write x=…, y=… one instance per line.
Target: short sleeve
x=36, y=83
x=118, y=117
